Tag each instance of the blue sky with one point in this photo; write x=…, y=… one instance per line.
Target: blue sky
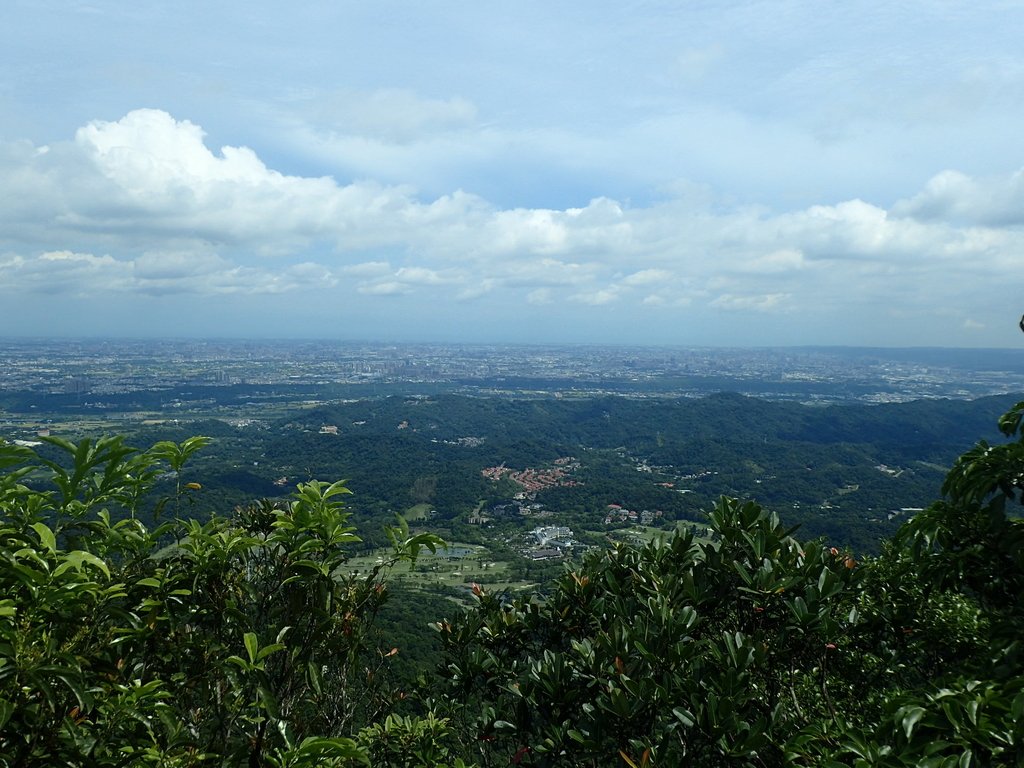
x=712, y=173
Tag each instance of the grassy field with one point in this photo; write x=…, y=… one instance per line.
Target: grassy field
x=417, y=512
x=460, y=564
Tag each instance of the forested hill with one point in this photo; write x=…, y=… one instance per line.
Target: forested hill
x=841, y=471
x=249, y=638
x=646, y=423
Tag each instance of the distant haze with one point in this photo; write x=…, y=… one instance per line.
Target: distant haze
x=732, y=173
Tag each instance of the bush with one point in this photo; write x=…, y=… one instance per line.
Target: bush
x=241, y=640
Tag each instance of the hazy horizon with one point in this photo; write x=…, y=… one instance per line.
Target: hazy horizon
x=412, y=342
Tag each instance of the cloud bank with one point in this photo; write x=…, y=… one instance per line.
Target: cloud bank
x=142, y=206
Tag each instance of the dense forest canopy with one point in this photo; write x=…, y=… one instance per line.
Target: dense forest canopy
x=841, y=471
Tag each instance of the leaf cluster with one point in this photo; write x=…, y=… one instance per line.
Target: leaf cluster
x=240, y=640
x=753, y=648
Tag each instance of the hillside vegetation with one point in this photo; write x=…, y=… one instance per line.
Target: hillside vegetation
x=246, y=638
x=839, y=471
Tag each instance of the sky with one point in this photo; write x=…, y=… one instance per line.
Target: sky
x=696, y=172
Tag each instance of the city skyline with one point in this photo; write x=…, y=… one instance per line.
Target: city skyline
x=736, y=174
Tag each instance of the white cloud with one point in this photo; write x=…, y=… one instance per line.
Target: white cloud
x=89, y=275
x=149, y=143
x=763, y=303
x=667, y=300
x=598, y=297
x=141, y=205
x=477, y=290
x=387, y=288
x=367, y=269
x=420, y=276
x=525, y=272
x=163, y=178
x=955, y=197
x=62, y=272
x=782, y=260
x=157, y=265
x=647, y=277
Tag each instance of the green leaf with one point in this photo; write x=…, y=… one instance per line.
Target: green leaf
x=285, y=729
x=77, y=559
x=269, y=649
x=252, y=645
x=72, y=678
x=319, y=749
x=45, y=536
x=684, y=716
x=313, y=675
x=1017, y=708
x=911, y=718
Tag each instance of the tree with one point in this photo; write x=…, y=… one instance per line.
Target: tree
x=968, y=549
x=753, y=648
x=703, y=651
x=241, y=640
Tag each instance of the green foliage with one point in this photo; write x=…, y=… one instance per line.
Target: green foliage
x=235, y=641
x=972, y=539
x=701, y=651
x=753, y=648
x=970, y=546
x=248, y=640
x=408, y=742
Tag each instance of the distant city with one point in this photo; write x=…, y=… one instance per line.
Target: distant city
x=95, y=369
